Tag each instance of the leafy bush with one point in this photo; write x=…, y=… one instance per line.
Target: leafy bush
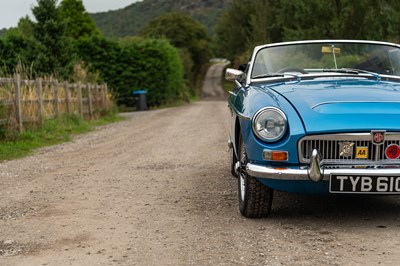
x=136, y=64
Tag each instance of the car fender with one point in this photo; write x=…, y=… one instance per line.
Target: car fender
x=246, y=104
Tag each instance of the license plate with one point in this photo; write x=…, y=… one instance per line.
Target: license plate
x=365, y=184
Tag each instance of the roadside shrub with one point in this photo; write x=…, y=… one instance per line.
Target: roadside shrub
x=161, y=70
x=137, y=64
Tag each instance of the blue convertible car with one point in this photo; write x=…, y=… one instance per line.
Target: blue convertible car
x=315, y=117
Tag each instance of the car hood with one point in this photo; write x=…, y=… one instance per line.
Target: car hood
x=344, y=105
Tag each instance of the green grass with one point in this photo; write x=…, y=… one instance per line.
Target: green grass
x=55, y=131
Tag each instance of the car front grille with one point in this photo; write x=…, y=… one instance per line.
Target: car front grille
x=330, y=148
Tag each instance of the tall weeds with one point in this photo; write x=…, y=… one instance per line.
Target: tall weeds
x=30, y=97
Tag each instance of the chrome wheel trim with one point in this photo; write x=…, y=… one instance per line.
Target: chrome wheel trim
x=242, y=171
x=242, y=181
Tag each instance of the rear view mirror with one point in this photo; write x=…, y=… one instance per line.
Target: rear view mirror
x=330, y=50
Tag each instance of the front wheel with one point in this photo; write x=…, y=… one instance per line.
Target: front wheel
x=255, y=199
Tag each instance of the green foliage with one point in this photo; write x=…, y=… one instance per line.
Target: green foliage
x=47, y=45
x=233, y=29
x=136, y=64
x=368, y=19
x=161, y=70
x=79, y=23
x=55, y=53
x=183, y=32
x=189, y=36
x=131, y=20
x=16, y=49
x=247, y=23
x=25, y=27
x=301, y=20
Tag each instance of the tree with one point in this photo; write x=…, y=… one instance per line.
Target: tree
x=368, y=19
x=247, y=23
x=55, y=53
x=25, y=27
x=18, y=48
x=234, y=29
x=184, y=33
x=79, y=23
x=304, y=20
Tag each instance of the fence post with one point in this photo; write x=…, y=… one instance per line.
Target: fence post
x=56, y=99
x=67, y=101
x=102, y=102
x=39, y=89
x=106, y=96
x=17, y=87
x=90, y=107
x=96, y=96
x=80, y=103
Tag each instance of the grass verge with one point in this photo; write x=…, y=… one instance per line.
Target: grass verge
x=55, y=131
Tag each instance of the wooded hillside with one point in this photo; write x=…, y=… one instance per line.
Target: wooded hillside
x=130, y=20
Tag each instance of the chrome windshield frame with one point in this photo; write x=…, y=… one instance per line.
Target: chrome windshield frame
x=250, y=80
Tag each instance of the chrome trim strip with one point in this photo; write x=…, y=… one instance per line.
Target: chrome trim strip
x=276, y=173
x=346, y=136
x=242, y=116
x=326, y=41
x=315, y=173
x=232, y=93
x=268, y=172
x=275, y=109
x=333, y=102
x=314, y=76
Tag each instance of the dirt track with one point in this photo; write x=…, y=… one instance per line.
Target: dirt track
x=156, y=190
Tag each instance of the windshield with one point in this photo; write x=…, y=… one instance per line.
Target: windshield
x=308, y=58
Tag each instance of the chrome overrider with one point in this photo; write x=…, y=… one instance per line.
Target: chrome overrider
x=315, y=171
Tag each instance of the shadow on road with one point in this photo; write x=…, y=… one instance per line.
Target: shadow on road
x=336, y=208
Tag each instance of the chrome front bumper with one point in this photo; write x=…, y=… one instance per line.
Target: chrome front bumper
x=315, y=172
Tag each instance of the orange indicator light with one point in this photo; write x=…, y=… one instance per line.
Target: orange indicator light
x=279, y=156
x=269, y=155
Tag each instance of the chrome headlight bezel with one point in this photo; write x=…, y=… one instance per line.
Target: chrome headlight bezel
x=265, y=135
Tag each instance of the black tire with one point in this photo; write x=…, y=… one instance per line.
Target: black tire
x=255, y=199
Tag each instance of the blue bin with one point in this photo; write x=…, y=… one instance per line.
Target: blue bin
x=141, y=100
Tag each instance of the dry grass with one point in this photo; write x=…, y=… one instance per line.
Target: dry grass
x=30, y=97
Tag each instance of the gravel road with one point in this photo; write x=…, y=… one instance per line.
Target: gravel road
x=156, y=190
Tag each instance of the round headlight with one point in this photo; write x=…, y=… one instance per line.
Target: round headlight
x=269, y=124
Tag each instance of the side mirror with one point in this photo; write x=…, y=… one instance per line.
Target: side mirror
x=233, y=74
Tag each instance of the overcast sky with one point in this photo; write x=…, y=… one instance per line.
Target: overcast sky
x=12, y=10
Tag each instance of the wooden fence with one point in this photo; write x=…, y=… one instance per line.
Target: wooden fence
x=33, y=101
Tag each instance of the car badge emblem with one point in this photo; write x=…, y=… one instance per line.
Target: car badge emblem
x=378, y=137
x=346, y=149
x=392, y=152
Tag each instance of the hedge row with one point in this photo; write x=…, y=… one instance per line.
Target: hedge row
x=137, y=64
